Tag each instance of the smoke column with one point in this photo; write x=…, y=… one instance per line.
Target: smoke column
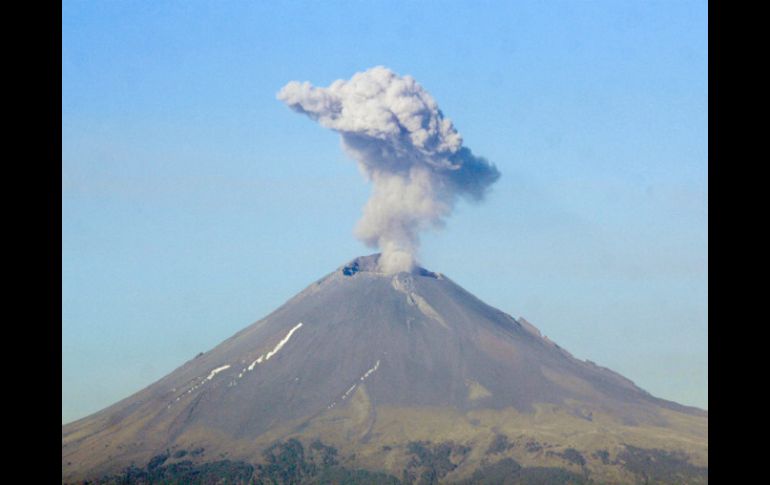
x=405, y=146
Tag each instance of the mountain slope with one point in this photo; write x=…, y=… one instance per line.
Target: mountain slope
x=370, y=363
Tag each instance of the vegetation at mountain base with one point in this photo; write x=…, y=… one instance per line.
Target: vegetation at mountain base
x=430, y=463
x=571, y=455
x=292, y=463
x=499, y=444
x=533, y=447
x=184, y=472
x=602, y=455
x=509, y=472
x=289, y=463
x=660, y=466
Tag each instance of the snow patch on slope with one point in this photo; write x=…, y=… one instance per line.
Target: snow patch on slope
x=216, y=371
x=362, y=379
x=349, y=391
x=371, y=370
x=282, y=342
x=192, y=388
x=279, y=346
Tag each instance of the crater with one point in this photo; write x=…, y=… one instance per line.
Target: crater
x=370, y=264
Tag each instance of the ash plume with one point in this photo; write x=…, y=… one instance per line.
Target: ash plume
x=404, y=145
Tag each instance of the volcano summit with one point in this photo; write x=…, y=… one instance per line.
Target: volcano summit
x=368, y=377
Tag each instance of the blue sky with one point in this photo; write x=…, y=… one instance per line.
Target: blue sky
x=194, y=203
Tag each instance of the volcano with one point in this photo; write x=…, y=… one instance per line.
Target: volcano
x=394, y=378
